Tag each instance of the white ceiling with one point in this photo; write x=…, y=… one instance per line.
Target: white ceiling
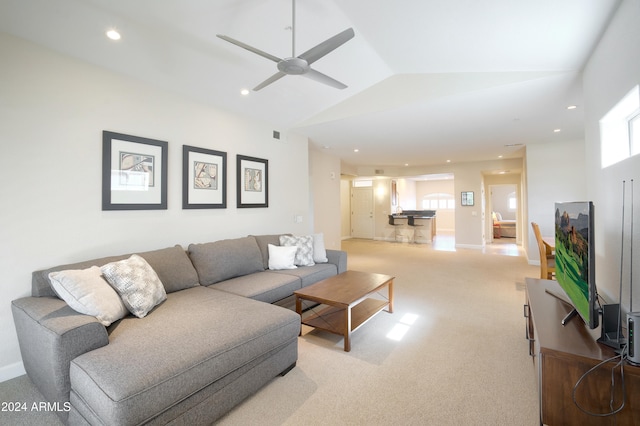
x=429, y=80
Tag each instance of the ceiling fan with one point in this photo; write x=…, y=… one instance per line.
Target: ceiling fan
x=301, y=64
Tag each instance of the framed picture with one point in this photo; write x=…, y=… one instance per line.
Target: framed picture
x=467, y=198
x=204, y=178
x=134, y=172
x=253, y=182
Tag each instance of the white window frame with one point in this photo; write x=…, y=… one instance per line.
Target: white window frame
x=618, y=138
x=439, y=201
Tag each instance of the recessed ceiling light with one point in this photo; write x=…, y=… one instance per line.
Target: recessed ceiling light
x=557, y=130
x=244, y=92
x=356, y=150
x=113, y=34
x=406, y=164
x=499, y=156
x=572, y=107
x=448, y=161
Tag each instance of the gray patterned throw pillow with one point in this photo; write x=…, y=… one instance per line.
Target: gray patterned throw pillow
x=304, y=254
x=137, y=284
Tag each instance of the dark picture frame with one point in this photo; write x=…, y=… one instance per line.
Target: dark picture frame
x=134, y=172
x=204, y=178
x=252, y=182
x=467, y=198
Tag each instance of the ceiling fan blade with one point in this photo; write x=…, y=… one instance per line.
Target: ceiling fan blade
x=323, y=78
x=275, y=77
x=327, y=46
x=249, y=48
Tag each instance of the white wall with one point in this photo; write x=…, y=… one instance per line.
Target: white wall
x=500, y=196
x=325, y=196
x=406, y=194
x=345, y=208
x=612, y=71
x=53, y=110
x=556, y=172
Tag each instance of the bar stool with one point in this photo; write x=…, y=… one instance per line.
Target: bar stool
x=393, y=223
x=415, y=225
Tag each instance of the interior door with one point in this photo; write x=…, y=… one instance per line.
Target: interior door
x=362, y=224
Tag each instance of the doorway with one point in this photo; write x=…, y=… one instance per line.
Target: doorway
x=504, y=214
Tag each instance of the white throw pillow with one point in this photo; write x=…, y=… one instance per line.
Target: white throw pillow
x=282, y=257
x=137, y=284
x=319, y=250
x=86, y=291
x=304, y=254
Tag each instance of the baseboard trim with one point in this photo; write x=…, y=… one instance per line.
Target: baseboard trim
x=11, y=371
x=471, y=246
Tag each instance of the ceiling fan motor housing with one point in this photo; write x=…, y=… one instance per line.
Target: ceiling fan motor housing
x=293, y=66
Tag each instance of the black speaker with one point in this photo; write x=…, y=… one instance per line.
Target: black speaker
x=633, y=348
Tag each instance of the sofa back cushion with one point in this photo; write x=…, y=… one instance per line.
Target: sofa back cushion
x=263, y=244
x=172, y=265
x=221, y=260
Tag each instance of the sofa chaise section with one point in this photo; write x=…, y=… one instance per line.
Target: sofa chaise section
x=205, y=340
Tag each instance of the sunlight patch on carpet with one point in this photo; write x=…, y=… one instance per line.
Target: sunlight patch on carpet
x=400, y=329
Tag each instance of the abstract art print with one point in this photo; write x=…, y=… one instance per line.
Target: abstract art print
x=204, y=178
x=253, y=183
x=134, y=172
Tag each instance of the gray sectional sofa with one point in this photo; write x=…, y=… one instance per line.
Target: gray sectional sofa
x=212, y=342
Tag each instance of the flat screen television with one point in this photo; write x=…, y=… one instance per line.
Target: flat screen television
x=575, y=258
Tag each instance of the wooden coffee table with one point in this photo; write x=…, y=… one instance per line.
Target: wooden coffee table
x=344, y=300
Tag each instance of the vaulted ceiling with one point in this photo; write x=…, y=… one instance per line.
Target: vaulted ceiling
x=428, y=80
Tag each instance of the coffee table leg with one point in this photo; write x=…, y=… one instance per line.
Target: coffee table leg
x=390, y=288
x=347, y=329
x=299, y=311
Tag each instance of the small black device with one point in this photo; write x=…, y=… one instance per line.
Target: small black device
x=633, y=344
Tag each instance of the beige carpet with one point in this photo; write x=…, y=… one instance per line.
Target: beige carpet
x=463, y=361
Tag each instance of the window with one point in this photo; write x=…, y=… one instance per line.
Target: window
x=362, y=183
x=620, y=130
x=634, y=134
x=438, y=201
x=512, y=203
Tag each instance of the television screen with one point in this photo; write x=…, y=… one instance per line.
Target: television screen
x=575, y=257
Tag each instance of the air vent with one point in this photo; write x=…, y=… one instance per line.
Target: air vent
x=276, y=134
x=379, y=171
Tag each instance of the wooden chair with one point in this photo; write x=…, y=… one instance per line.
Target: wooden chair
x=547, y=258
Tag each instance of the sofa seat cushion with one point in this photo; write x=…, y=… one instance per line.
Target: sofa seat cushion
x=311, y=274
x=196, y=337
x=265, y=286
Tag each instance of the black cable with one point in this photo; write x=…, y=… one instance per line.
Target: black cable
x=620, y=364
